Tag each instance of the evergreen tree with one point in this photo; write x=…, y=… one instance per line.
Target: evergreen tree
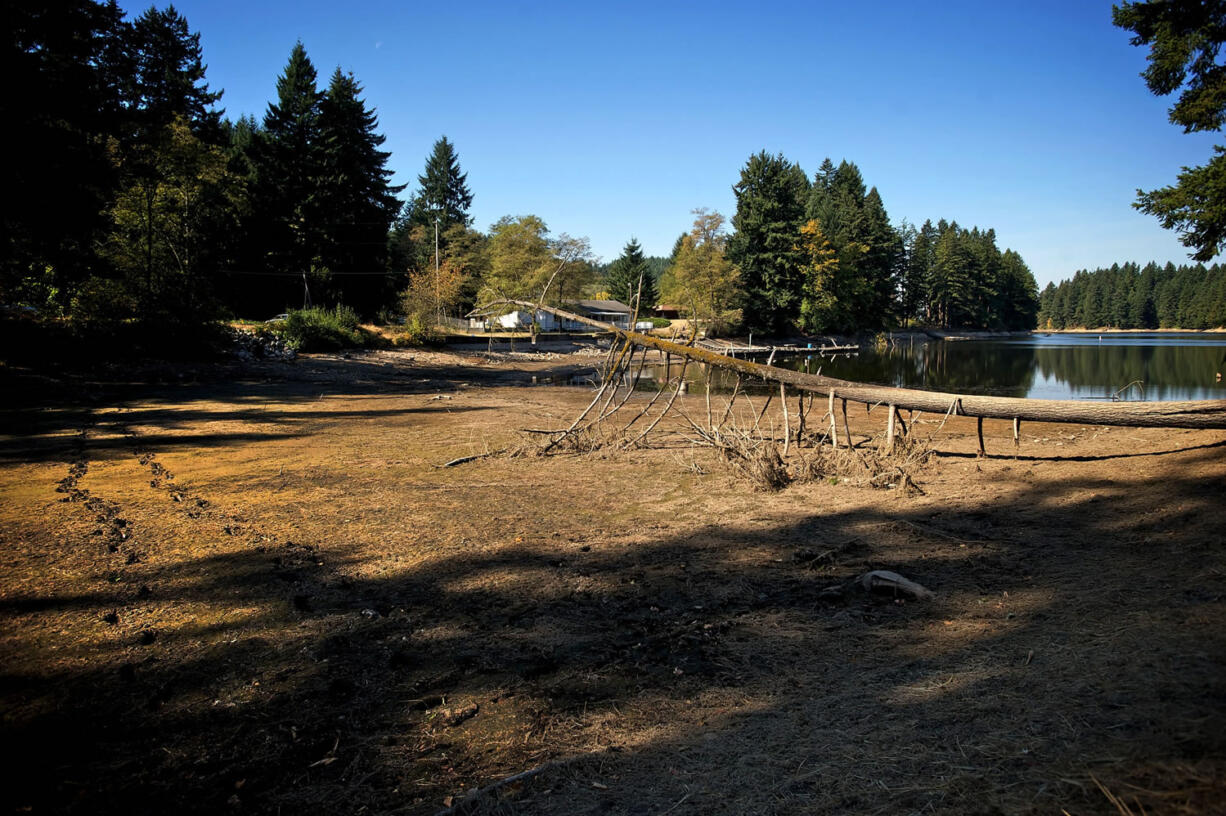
x=169, y=130
x=870, y=251
x=358, y=203
x=882, y=263
x=442, y=201
x=916, y=278
x=63, y=69
x=627, y=274
x=951, y=290
x=1184, y=38
x=290, y=166
x=770, y=209
x=167, y=79
x=1018, y=294
x=444, y=193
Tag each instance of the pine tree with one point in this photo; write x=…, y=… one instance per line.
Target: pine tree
x=1184, y=39
x=627, y=274
x=917, y=278
x=1018, y=296
x=442, y=201
x=357, y=204
x=870, y=251
x=63, y=69
x=444, y=190
x=882, y=263
x=288, y=194
x=770, y=209
x=167, y=80
x=163, y=94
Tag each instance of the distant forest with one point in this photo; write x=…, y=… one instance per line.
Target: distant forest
x=1130, y=296
x=136, y=200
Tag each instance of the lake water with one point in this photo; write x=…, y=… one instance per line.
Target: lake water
x=1167, y=366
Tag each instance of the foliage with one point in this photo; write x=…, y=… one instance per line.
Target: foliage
x=360, y=204
x=770, y=208
x=432, y=294
x=526, y=264
x=702, y=278
x=1184, y=38
x=1130, y=296
x=869, y=249
x=170, y=222
x=444, y=190
x=61, y=104
x=289, y=182
x=320, y=329
x=830, y=287
x=629, y=275
x=442, y=202
x=961, y=279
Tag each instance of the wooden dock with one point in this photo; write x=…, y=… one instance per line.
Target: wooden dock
x=735, y=349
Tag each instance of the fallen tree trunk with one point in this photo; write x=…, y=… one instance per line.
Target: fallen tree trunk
x=1198, y=414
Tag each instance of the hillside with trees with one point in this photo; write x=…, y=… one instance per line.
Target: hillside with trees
x=1130, y=296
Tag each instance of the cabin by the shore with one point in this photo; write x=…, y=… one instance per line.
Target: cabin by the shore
x=607, y=311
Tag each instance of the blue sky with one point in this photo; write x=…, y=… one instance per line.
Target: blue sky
x=616, y=120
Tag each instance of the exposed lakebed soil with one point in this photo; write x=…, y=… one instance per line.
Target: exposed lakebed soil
x=249, y=589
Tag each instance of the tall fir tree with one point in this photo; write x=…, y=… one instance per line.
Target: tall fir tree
x=770, y=208
x=868, y=249
x=167, y=79
x=627, y=274
x=444, y=192
x=357, y=204
x=441, y=203
x=64, y=66
x=287, y=200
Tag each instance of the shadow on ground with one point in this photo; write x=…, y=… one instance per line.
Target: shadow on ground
x=699, y=672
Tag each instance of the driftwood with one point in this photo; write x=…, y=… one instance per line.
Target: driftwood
x=1188, y=414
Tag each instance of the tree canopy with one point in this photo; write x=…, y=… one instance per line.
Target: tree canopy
x=629, y=278
x=1184, y=39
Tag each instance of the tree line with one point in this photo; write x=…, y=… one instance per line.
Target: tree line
x=140, y=199
x=1131, y=296
x=820, y=255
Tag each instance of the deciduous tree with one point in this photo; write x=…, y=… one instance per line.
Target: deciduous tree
x=704, y=281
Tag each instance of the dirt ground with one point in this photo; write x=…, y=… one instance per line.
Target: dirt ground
x=251, y=590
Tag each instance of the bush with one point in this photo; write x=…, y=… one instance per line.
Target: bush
x=320, y=329
x=660, y=322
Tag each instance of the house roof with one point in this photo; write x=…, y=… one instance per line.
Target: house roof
x=603, y=306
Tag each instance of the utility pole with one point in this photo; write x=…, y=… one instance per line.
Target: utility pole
x=438, y=306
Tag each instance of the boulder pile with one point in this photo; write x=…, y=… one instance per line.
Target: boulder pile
x=250, y=345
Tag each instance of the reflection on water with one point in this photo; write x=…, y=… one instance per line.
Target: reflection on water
x=1041, y=366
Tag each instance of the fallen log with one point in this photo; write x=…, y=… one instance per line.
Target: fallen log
x=1188, y=414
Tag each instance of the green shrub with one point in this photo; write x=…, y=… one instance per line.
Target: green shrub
x=320, y=329
x=660, y=322
x=419, y=332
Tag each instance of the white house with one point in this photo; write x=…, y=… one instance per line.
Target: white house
x=607, y=311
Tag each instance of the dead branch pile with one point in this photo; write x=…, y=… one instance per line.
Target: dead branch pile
x=768, y=453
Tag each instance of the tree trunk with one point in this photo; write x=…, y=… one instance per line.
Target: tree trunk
x=1188, y=414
